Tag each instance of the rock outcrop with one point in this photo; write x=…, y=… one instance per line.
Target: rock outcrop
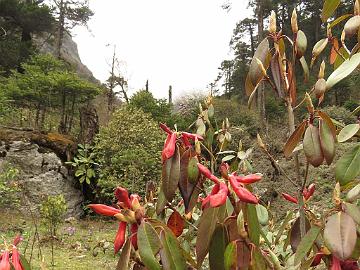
x=69, y=53
x=41, y=173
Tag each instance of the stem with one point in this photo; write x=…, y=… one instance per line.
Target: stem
x=297, y=170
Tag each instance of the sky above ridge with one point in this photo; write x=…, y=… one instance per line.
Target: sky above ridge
x=168, y=42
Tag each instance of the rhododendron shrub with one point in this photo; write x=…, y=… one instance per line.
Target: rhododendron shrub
x=207, y=214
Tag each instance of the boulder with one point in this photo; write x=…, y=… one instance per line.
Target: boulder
x=41, y=173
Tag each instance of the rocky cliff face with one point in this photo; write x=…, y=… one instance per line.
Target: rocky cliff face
x=42, y=173
x=69, y=52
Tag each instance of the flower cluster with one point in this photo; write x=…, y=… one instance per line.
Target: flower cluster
x=128, y=212
x=220, y=190
x=170, y=142
x=10, y=256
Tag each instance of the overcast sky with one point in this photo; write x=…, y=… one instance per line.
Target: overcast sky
x=177, y=42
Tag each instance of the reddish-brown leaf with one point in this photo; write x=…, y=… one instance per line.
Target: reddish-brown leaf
x=294, y=139
x=292, y=83
x=176, y=223
x=276, y=74
x=328, y=121
x=334, y=50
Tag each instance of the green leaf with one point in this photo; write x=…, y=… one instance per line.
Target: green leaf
x=312, y=146
x=347, y=167
x=329, y=8
x=170, y=252
x=189, y=175
x=123, y=263
x=217, y=248
x=24, y=262
x=255, y=74
x=161, y=202
x=171, y=175
x=339, y=20
x=327, y=141
x=79, y=173
x=238, y=255
x=149, y=245
x=353, y=211
x=306, y=243
x=340, y=235
x=262, y=214
x=206, y=228
x=345, y=69
x=253, y=222
x=353, y=194
x=348, y=132
x=230, y=256
x=227, y=158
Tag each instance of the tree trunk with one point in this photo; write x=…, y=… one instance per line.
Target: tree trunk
x=60, y=30
x=62, y=126
x=112, y=85
x=89, y=124
x=72, y=112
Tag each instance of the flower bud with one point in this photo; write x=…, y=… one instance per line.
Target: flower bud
x=272, y=27
x=289, y=198
x=294, y=23
x=320, y=88
x=224, y=170
x=357, y=7
x=309, y=103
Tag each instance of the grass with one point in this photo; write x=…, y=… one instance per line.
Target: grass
x=71, y=251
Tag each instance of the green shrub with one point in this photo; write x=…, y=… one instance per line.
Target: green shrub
x=128, y=151
x=238, y=115
x=275, y=110
x=52, y=211
x=9, y=189
x=351, y=104
x=340, y=114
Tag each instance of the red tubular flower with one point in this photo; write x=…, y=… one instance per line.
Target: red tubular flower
x=120, y=237
x=249, y=179
x=186, y=141
x=349, y=265
x=243, y=194
x=104, y=210
x=169, y=146
x=17, y=240
x=289, y=198
x=219, y=198
x=335, y=263
x=122, y=196
x=206, y=172
x=15, y=257
x=134, y=228
x=308, y=192
x=192, y=136
x=5, y=263
x=205, y=202
x=165, y=128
